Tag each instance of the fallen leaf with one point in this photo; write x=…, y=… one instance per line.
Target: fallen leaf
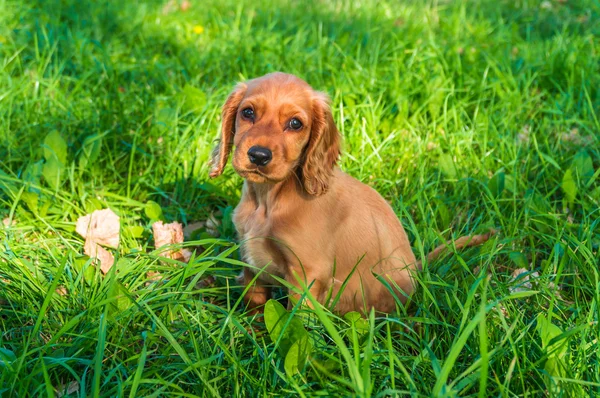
x=524, y=134
x=185, y=5
x=94, y=250
x=523, y=282
x=153, y=276
x=69, y=389
x=169, y=7
x=212, y=226
x=191, y=228
x=431, y=146
x=206, y=282
x=102, y=226
x=168, y=234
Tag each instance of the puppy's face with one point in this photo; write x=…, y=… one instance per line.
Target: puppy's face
x=279, y=126
x=272, y=127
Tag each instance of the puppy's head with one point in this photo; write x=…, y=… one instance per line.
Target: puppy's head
x=279, y=126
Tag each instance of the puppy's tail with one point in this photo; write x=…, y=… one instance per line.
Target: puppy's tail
x=460, y=243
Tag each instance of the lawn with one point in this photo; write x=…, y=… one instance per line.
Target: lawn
x=463, y=115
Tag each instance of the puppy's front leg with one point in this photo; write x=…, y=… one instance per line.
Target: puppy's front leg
x=299, y=282
x=257, y=295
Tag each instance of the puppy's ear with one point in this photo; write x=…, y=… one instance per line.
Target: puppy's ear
x=221, y=152
x=323, y=148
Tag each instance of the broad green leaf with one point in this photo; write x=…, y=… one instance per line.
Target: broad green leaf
x=357, y=322
x=446, y=165
x=133, y=231
x=119, y=293
x=436, y=96
x=92, y=204
x=194, y=98
x=89, y=274
x=164, y=118
x=510, y=183
x=31, y=199
x=518, y=295
x=519, y=259
x=54, y=144
x=297, y=356
x=52, y=171
x=444, y=214
x=548, y=331
x=569, y=186
x=90, y=150
x=583, y=166
x=282, y=326
x=7, y=358
x=557, y=350
x=33, y=173
x=496, y=184
x=153, y=211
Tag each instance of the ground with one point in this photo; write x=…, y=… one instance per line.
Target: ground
x=464, y=115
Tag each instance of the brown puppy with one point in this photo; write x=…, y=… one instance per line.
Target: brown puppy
x=302, y=219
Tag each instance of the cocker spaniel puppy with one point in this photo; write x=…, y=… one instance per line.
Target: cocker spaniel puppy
x=301, y=219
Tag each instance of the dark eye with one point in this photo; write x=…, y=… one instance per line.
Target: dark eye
x=248, y=113
x=295, y=124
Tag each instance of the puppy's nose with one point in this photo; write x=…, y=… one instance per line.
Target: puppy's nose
x=259, y=155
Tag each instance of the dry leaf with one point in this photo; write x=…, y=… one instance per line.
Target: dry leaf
x=102, y=226
x=524, y=134
x=94, y=250
x=169, y=7
x=8, y=223
x=212, y=226
x=168, y=234
x=69, y=389
x=191, y=228
x=206, y=282
x=153, y=276
x=523, y=283
x=431, y=146
x=185, y=5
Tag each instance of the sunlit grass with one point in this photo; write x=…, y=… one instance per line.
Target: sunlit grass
x=464, y=115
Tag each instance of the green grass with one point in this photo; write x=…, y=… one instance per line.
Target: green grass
x=462, y=115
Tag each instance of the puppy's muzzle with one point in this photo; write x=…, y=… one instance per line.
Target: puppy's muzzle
x=259, y=155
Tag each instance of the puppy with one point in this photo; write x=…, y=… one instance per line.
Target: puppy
x=300, y=218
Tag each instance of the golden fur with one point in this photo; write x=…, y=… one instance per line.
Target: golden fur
x=300, y=217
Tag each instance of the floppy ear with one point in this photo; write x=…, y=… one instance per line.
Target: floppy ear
x=323, y=149
x=221, y=152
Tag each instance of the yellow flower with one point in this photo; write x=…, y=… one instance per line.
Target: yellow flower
x=198, y=29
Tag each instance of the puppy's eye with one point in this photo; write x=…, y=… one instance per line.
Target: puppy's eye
x=248, y=113
x=295, y=124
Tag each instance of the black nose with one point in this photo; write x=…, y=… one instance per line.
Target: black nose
x=259, y=155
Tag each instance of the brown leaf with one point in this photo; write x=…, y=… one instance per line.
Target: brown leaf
x=191, y=228
x=168, y=234
x=94, y=250
x=69, y=389
x=185, y=5
x=7, y=222
x=102, y=226
x=523, y=283
x=212, y=225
